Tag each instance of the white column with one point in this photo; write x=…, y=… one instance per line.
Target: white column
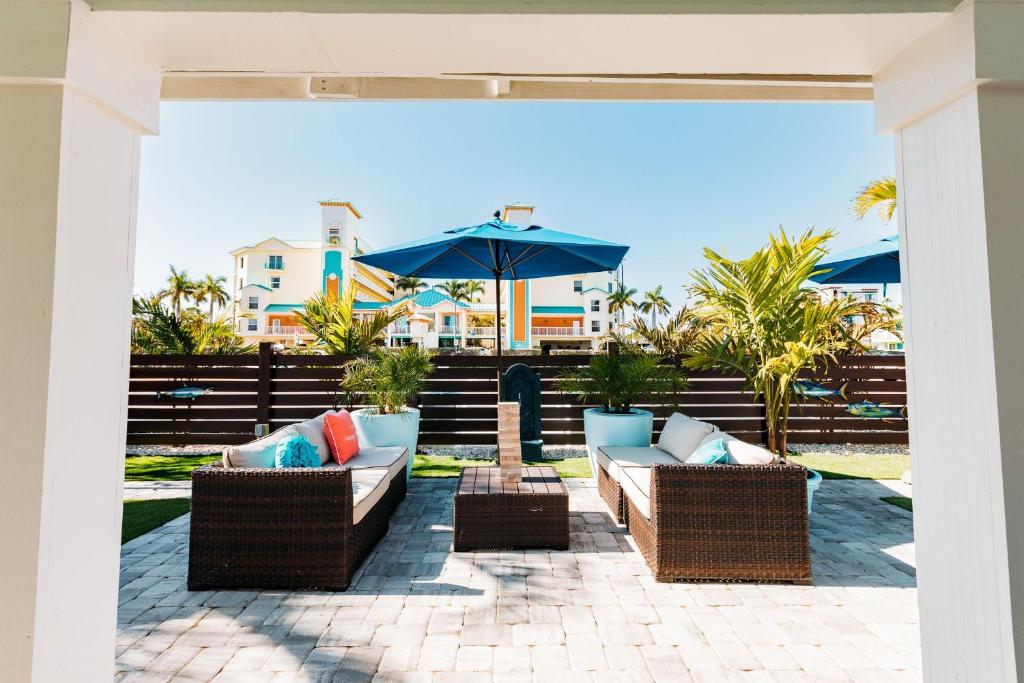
x=955, y=100
x=74, y=100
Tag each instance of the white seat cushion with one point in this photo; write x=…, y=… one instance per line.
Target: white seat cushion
x=636, y=485
x=391, y=458
x=368, y=486
x=681, y=435
x=743, y=453
x=313, y=430
x=606, y=463
x=619, y=457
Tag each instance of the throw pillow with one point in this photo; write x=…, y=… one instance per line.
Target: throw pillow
x=743, y=453
x=712, y=452
x=681, y=435
x=341, y=436
x=296, y=451
x=313, y=430
x=258, y=453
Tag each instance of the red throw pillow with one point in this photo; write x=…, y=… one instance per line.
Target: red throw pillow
x=341, y=436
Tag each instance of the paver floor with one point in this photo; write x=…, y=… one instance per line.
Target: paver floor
x=419, y=612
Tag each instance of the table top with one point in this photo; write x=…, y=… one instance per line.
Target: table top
x=487, y=480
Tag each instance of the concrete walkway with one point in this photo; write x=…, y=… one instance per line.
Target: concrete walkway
x=418, y=612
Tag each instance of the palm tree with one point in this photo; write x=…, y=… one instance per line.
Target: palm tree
x=456, y=289
x=158, y=329
x=763, y=323
x=654, y=303
x=410, y=284
x=334, y=328
x=179, y=288
x=474, y=287
x=621, y=299
x=212, y=289
x=879, y=193
x=676, y=337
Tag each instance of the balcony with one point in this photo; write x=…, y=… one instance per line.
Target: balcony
x=288, y=330
x=560, y=332
x=479, y=331
x=449, y=330
x=399, y=330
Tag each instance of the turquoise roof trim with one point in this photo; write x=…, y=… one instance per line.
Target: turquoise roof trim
x=553, y=310
x=428, y=298
x=253, y=284
x=594, y=289
x=369, y=305
x=283, y=308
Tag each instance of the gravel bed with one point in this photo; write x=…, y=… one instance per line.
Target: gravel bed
x=853, y=449
x=175, y=450
x=490, y=452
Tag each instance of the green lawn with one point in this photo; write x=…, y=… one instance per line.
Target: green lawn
x=448, y=466
x=900, y=502
x=141, y=516
x=157, y=467
x=856, y=466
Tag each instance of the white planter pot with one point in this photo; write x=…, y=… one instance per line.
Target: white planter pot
x=401, y=429
x=609, y=429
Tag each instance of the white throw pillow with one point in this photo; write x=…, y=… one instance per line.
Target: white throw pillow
x=258, y=453
x=681, y=435
x=313, y=430
x=743, y=453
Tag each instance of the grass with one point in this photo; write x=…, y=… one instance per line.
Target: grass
x=900, y=502
x=855, y=466
x=163, y=467
x=141, y=516
x=449, y=466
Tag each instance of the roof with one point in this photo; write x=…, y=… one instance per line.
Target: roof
x=283, y=308
x=255, y=284
x=428, y=298
x=550, y=310
x=369, y=305
x=294, y=244
x=594, y=289
x=338, y=202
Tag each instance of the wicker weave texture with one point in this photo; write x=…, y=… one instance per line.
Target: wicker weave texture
x=611, y=493
x=725, y=523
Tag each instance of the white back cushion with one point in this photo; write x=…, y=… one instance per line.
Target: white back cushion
x=681, y=435
x=258, y=453
x=743, y=453
x=313, y=430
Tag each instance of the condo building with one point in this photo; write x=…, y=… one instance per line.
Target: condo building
x=272, y=278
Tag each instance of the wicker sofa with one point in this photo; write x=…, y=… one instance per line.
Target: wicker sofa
x=745, y=522
x=291, y=528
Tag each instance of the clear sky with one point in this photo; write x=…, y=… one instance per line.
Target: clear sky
x=665, y=179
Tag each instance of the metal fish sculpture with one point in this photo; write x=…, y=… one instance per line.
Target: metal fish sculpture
x=812, y=390
x=186, y=393
x=873, y=410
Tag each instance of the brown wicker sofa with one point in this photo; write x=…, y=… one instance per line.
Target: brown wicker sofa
x=290, y=528
x=710, y=522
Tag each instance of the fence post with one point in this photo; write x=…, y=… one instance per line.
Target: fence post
x=266, y=359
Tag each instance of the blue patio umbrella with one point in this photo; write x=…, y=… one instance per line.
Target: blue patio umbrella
x=498, y=250
x=875, y=262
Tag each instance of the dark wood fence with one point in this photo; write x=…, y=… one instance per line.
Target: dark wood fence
x=458, y=405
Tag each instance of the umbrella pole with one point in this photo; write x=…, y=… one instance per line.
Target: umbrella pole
x=497, y=325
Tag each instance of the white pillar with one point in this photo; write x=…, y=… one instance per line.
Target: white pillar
x=955, y=100
x=74, y=99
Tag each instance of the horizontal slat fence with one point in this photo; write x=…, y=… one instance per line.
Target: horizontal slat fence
x=458, y=403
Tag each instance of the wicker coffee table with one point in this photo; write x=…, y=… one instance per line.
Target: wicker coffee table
x=490, y=515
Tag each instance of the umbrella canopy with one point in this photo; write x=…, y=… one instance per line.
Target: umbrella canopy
x=875, y=262
x=498, y=250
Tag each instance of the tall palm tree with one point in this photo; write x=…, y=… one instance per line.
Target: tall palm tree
x=211, y=289
x=654, y=303
x=410, y=284
x=456, y=289
x=473, y=288
x=158, y=329
x=179, y=288
x=621, y=299
x=878, y=193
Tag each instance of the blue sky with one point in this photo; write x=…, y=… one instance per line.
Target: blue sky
x=666, y=179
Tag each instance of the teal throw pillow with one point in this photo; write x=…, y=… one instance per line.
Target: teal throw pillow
x=711, y=452
x=296, y=451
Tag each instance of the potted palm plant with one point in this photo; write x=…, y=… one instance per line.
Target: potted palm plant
x=620, y=380
x=389, y=380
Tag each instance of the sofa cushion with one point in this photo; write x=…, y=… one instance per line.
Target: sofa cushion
x=391, y=458
x=636, y=485
x=743, y=453
x=340, y=433
x=614, y=458
x=258, y=453
x=313, y=430
x=681, y=435
x=710, y=452
x=368, y=486
x=296, y=451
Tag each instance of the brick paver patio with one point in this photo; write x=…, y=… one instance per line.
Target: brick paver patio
x=418, y=612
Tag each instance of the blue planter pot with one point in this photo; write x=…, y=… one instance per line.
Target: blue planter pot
x=813, y=482
x=607, y=429
x=402, y=429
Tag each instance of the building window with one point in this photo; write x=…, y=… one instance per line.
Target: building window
x=275, y=282
x=254, y=303
x=595, y=305
x=275, y=262
x=333, y=236
x=252, y=324
x=609, y=288
x=241, y=262
x=241, y=282
x=595, y=325
x=577, y=286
